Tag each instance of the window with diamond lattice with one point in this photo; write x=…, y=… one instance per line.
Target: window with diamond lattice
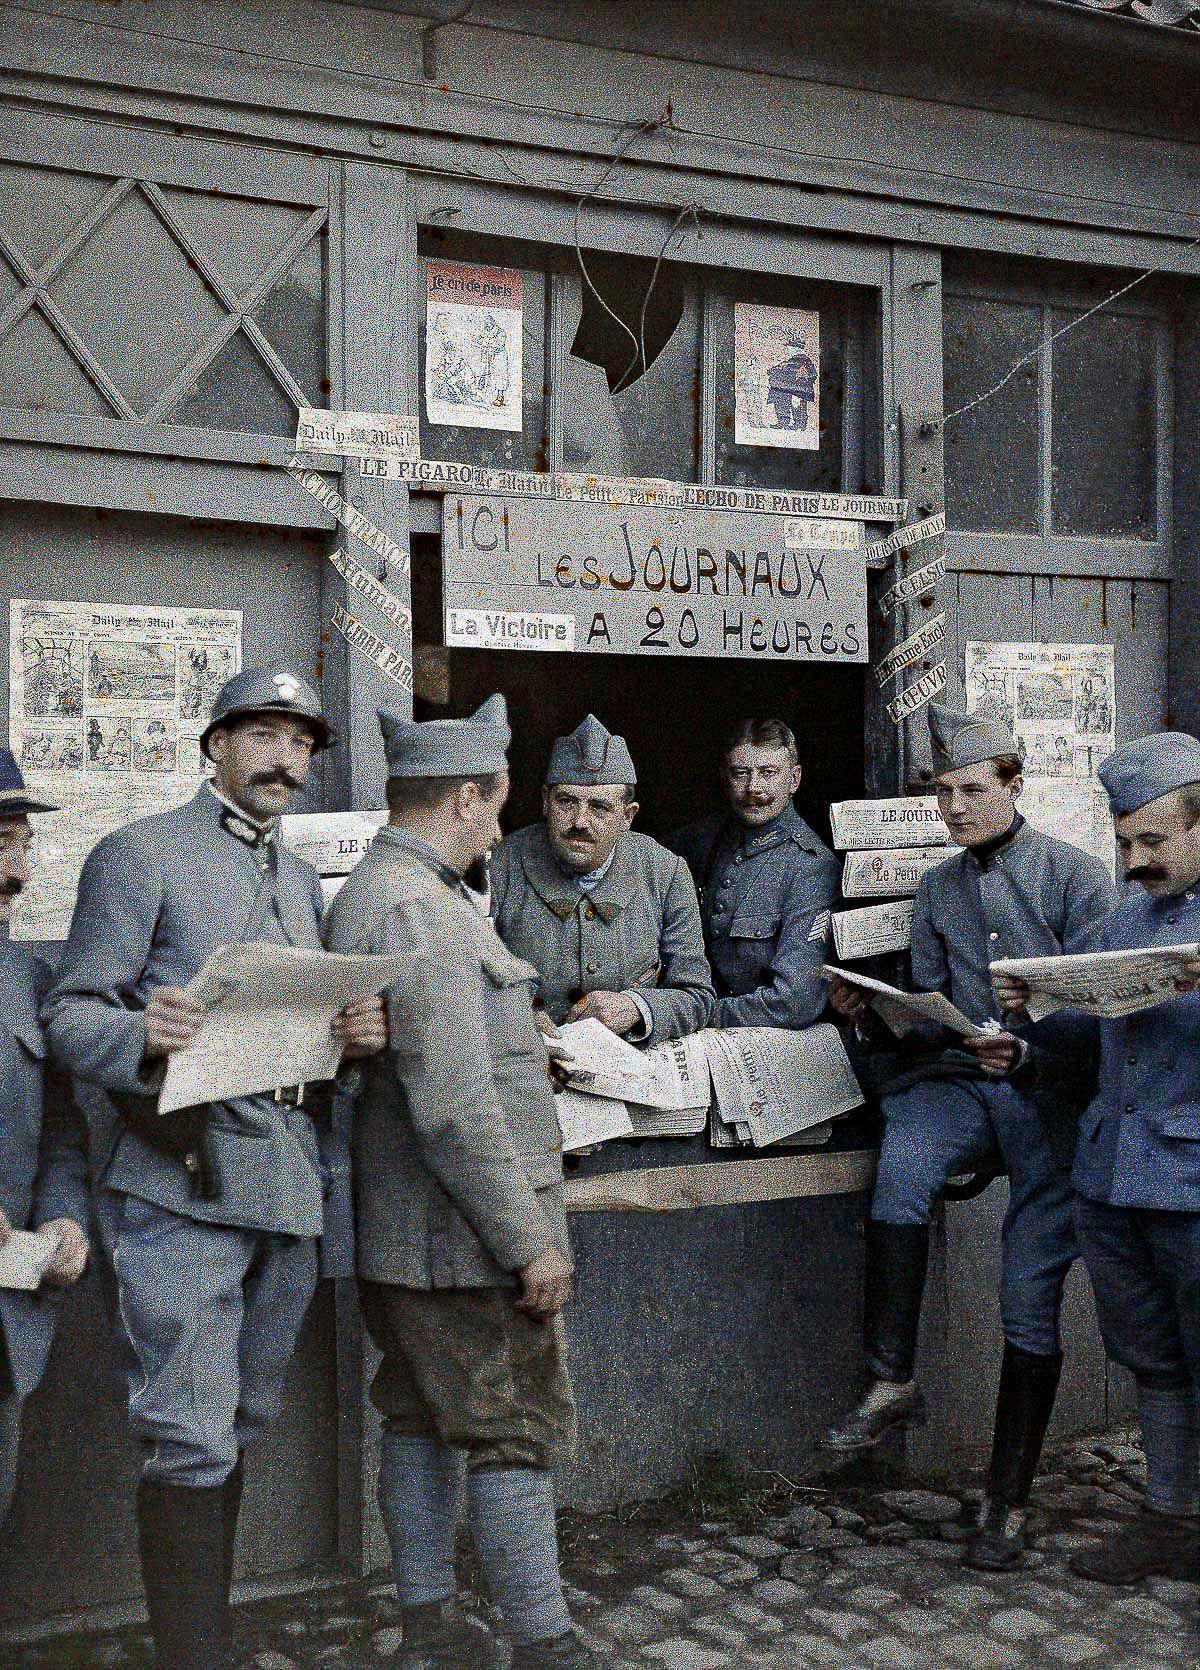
x=123, y=298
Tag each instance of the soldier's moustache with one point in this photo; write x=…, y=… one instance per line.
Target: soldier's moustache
x=1146, y=872
x=10, y=888
x=279, y=775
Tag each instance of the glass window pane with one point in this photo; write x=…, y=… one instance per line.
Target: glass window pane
x=524, y=449
x=237, y=392
x=1103, y=433
x=813, y=469
x=993, y=467
x=293, y=321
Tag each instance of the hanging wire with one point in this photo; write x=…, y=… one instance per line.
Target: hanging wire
x=1041, y=348
x=691, y=210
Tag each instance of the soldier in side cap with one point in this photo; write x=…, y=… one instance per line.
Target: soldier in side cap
x=767, y=884
x=211, y=1215
x=1011, y=892
x=43, y=1142
x=609, y=918
x=463, y=1255
x=1137, y=1166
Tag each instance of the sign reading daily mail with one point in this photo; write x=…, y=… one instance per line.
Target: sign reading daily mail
x=645, y=580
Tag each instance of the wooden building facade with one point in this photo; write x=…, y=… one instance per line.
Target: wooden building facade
x=214, y=214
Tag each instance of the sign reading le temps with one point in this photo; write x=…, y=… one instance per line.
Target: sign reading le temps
x=645, y=580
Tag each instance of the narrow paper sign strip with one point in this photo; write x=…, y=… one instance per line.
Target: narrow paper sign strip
x=358, y=579
x=873, y=931
x=917, y=584
x=905, y=538
x=912, y=649
x=927, y=686
x=687, y=1188
x=380, y=654
x=908, y=821
x=328, y=497
x=889, y=875
x=823, y=533
x=636, y=490
x=357, y=434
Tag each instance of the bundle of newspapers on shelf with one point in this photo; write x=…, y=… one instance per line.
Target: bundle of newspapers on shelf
x=753, y=1086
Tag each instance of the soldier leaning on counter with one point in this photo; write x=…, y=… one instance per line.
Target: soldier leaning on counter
x=43, y=1141
x=767, y=884
x=608, y=917
x=1010, y=892
x=1137, y=1165
x=211, y=1215
x=463, y=1254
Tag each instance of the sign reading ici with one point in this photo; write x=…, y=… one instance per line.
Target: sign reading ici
x=646, y=580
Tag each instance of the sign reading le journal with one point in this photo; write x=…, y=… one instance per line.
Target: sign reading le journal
x=645, y=580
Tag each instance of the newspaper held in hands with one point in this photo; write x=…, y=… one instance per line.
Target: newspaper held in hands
x=270, y=1011
x=673, y=1075
x=902, y=1010
x=1104, y=983
x=25, y=1258
x=770, y=1083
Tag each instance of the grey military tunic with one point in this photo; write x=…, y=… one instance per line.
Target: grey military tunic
x=457, y=1150
x=637, y=929
x=765, y=899
x=43, y=1158
x=155, y=900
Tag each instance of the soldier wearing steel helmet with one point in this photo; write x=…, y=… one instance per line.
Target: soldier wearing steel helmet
x=211, y=1215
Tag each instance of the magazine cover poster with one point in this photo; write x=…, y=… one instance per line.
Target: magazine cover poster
x=473, y=346
x=777, y=362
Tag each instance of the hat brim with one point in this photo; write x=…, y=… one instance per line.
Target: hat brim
x=16, y=803
x=323, y=733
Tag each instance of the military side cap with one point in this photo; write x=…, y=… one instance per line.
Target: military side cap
x=959, y=738
x=591, y=754
x=15, y=798
x=1142, y=771
x=269, y=690
x=474, y=747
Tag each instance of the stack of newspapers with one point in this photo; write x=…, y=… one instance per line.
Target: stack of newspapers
x=752, y=1086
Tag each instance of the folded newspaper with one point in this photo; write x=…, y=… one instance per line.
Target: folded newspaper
x=270, y=1011
x=902, y=1010
x=764, y=1085
x=1105, y=983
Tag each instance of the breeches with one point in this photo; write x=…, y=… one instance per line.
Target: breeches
x=207, y=1321
x=10, y=1442
x=936, y=1131
x=1145, y=1272
x=463, y=1365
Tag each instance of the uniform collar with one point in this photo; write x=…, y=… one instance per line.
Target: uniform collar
x=238, y=823
x=987, y=850
x=562, y=893
x=762, y=836
x=391, y=836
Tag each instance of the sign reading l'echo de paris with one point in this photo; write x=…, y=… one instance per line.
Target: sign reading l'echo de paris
x=647, y=580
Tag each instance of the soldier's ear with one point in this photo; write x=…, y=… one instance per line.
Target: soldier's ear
x=631, y=812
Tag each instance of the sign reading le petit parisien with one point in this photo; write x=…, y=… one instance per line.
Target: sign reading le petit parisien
x=645, y=580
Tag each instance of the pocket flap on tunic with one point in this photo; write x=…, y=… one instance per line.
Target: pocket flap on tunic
x=29, y=1034
x=504, y=970
x=754, y=926
x=1182, y=1122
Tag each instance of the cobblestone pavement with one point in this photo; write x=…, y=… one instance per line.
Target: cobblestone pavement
x=854, y=1569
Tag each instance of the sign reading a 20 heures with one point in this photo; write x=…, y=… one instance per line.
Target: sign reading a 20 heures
x=645, y=580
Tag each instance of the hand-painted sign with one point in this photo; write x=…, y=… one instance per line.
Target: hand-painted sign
x=643, y=580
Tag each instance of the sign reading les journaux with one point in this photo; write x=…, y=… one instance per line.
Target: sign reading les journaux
x=644, y=580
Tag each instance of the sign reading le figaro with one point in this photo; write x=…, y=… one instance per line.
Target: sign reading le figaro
x=644, y=580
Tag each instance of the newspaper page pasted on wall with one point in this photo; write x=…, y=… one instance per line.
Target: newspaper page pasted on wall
x=473, y=346
x=776, y=368
x=106, y=705
x=1060, y=700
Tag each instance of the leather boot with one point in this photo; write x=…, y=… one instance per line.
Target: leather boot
x=181, y=1544
x=564, y=1652
x=897, y=1256
x=231, y=1507
x=1153, y=1545
x=439, y=1633
x=1028, y=1383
